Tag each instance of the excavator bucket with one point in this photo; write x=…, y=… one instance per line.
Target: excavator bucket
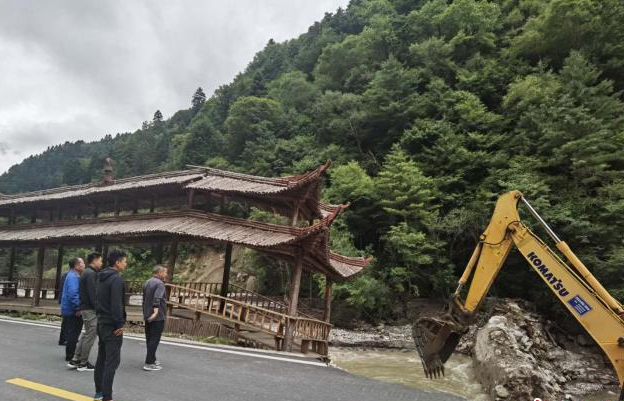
x=435, y=340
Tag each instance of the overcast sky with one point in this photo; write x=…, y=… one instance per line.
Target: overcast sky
x=82, y=69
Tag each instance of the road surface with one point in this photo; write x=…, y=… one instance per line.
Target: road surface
x=31, y=355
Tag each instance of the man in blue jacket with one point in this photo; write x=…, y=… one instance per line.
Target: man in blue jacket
x=70, y=306
x=62, y=335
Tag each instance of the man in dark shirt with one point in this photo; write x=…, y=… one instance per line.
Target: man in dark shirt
x=154, y=314
x=111, y=314
x=89, y=318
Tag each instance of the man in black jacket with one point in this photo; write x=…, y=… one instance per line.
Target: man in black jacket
x=111, y=314
x=88, y=278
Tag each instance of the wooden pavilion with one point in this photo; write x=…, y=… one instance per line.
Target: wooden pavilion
x=169, y=208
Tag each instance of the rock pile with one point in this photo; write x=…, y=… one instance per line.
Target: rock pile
x=516, y=356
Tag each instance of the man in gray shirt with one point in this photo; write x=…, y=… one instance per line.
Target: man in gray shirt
x=154, y=313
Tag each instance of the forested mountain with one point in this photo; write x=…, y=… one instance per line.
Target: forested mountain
x=429, y=110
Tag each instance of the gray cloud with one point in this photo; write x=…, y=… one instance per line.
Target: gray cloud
x=83, y=69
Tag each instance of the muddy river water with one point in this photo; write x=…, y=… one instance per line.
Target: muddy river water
x=404, y=367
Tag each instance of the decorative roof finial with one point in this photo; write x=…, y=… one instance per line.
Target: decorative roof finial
x=108, y=171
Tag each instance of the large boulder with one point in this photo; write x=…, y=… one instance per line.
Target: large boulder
x=516, y=357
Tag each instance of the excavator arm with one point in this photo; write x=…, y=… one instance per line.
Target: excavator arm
x=575, y=287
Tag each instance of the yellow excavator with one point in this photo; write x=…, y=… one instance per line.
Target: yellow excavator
x=579, y=291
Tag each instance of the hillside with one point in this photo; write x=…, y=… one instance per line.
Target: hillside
x=429, y=109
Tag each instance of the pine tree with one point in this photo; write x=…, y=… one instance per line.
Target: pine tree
x=157, y=117
x=199, y=98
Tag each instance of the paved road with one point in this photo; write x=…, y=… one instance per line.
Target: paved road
x=29, y=351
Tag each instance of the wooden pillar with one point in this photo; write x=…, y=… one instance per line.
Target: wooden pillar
x=56, y=214
x=158, y=253
x=12, y=216
x=105, y=253
x=37, y=294
x=96, y=211
x=135, y=206
x=222, y=204
x=98, y=248
x=208, y=197
x=295, y=284
x=173, y=255
x=295, y=217
x=33, y=217
x=225, y=281
x=152, y=204
x=12, y=263
x=171, y=261
x=191, y=198
x=328, y=299
x=59, y=270
x=116, y=205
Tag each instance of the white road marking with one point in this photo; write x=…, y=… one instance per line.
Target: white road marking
x=191, y=346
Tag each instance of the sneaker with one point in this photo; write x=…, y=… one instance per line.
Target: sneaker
x=151, y=367
x=86, y=367
x=98, y=397
x=73, y=364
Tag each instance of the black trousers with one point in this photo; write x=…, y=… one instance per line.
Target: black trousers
x=73, y=327
x=108, y=359
x=153, y=332
x=63, y=334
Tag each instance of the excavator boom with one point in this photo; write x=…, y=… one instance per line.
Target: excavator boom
x=577, y=289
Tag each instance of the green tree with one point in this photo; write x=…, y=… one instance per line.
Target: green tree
x=253, y=120
x=199, y=98
x=404, y=191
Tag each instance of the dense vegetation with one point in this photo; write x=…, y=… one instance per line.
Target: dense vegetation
x=429, y=110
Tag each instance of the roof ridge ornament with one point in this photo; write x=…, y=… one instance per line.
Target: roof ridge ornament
x=108, y=171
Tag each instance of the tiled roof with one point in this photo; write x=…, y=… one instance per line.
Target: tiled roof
x=276, y=239
x=76, y=191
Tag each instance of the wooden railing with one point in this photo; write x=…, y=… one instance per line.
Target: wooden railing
x=135, y=287
x=241, y=294
x=25, y=287
x=226, y=308
x=29, y=283
x=239, y=311
x=203, y=286
x=310, y=329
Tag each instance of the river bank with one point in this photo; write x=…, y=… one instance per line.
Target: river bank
x=511, y=352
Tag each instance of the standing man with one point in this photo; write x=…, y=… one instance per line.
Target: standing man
x=111, y=314
x=70, y=307
x=154, y=314
x=89, y=318
x=63, y=334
